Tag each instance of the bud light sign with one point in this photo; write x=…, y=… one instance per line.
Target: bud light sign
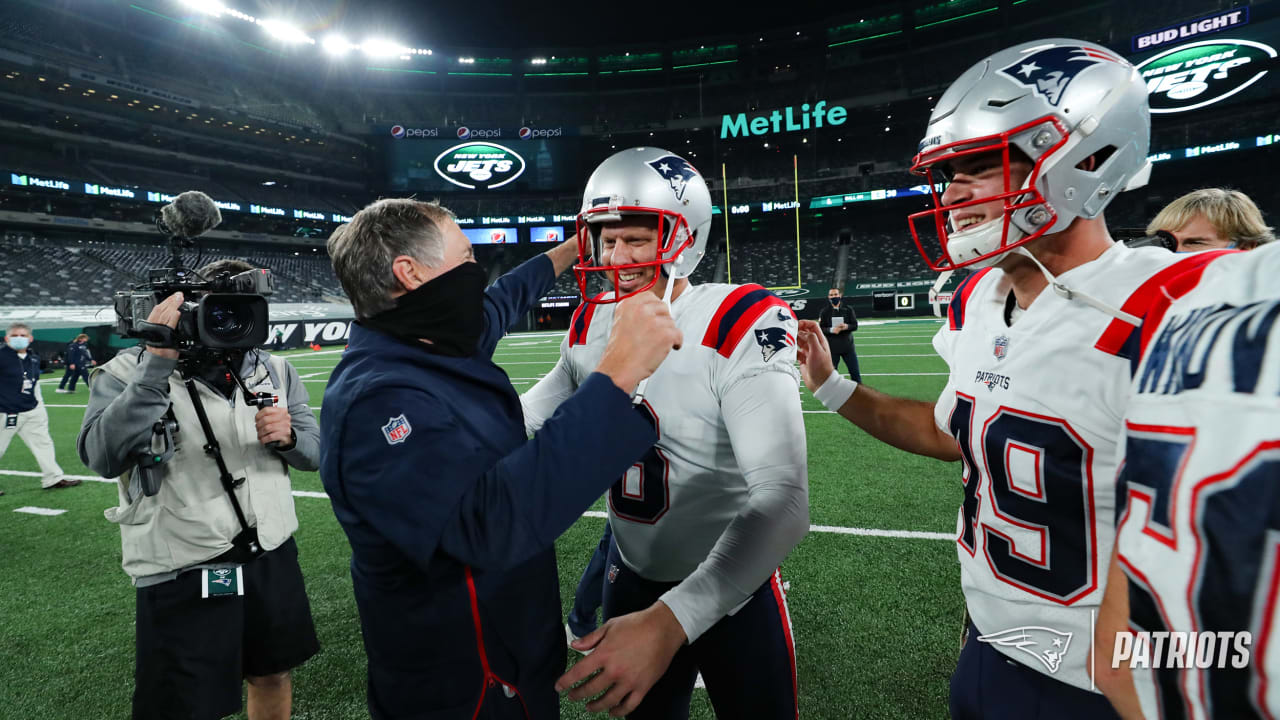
x=479, y=165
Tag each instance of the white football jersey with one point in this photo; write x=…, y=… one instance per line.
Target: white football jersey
x=1036, y=409
x=1200, y=536
x=727, y=410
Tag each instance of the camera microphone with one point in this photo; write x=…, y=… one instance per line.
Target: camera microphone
x=190, y=215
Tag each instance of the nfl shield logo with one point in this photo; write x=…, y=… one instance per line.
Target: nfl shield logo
x=396, y=429
x=1002, y=347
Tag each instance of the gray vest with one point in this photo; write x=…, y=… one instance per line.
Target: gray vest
x=191, y=519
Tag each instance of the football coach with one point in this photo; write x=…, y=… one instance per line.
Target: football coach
x=450, y=509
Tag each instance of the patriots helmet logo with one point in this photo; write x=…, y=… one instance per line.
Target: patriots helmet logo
x=1044, y=644
x=772, y=340
x=676, y=171
x=1049, y=71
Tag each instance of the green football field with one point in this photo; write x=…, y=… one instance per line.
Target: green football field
x=877, y=615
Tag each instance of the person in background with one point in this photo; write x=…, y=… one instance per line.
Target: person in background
x=220, y=597
x=78, y=362
x=278, y=344
x=1213, y=218
x=838, y=322
x=23, y=408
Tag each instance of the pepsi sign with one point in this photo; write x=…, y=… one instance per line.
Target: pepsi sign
x=401, y=132
x=547, y=234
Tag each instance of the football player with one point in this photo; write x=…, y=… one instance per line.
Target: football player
x=1028, y=147
x=1197, y=545
x=703, y=521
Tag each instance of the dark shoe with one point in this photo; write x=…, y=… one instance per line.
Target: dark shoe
x=64, y=483
x=1, y=492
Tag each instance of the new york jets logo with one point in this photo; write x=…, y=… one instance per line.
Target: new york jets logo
x=1197, y=74
x=479, y=165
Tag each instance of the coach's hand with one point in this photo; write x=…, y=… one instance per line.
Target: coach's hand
x=643, y=333
x=630, y=652
x=814, y=354
x=166, y=313
x=275, y=426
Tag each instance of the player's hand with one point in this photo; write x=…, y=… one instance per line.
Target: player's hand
x=73, y=367
x=630, y=653
x=643, y=333
x=275, y=425
x=166, y=313
x=815, y=355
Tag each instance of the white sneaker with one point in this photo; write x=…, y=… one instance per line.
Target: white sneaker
x=63, y=391
x=569, y=637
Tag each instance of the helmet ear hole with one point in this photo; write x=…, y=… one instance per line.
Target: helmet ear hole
x=1095, y=161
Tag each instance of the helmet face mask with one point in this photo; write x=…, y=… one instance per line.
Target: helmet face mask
x=643, y=182
x=673, y=238
x=1024, y=216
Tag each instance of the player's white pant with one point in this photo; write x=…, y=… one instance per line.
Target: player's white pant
x=33, y=428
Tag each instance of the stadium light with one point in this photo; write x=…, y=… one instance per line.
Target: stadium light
x=382, y=48
x=284, y=32
x=467, y=60
x=539, y=61
x=208, y=7
x=336, y=45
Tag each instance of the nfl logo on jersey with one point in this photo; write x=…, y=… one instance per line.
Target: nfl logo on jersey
x=396, y=429
x=1001, y=347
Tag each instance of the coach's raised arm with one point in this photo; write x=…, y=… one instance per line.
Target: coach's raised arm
x=450, y=510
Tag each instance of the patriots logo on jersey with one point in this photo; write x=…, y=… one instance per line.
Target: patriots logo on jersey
x=1049, y=71
x=675, y=171
x=1044, y=644
x=772, y=340
x=1001, y=347
x=613, y=573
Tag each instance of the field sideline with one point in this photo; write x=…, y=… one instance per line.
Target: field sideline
x=874, y=588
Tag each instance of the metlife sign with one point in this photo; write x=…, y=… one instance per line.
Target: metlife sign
x=783, y=120
x=1198, y=74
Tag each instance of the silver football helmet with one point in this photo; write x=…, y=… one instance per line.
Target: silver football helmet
x=1058, y=102
x=644, y=181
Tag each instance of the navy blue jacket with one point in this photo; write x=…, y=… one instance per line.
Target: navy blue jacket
x=452, y=513
x=78, y=355
x=16, y=393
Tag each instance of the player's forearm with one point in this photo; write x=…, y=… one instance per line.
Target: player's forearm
x=1114, y=680
x=748, y=552
x=901, y=422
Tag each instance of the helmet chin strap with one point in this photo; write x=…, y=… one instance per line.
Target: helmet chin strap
x=1061, y=289
x=666, y=300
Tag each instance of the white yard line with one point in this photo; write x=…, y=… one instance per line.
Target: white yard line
x=867, y=532
x=38, y=510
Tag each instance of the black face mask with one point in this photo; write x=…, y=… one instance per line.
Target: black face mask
x=835, y=301
x=447, y=310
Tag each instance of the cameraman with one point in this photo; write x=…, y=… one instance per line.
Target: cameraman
x=211, y=612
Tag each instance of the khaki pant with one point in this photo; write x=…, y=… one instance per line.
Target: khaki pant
x=33, y=428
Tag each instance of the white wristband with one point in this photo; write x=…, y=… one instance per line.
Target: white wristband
x=835, y=391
